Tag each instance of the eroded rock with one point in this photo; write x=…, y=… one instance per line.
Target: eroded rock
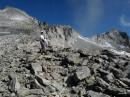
x=96, y=94
x=82, y=73
x=14, y=85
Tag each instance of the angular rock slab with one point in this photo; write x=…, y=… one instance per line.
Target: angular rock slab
x=14, y=84
x=82, y=73
x=36, y=68
x=96, y=94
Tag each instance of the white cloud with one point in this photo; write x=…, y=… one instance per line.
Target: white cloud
x=124, y=21
x=128, y=1
x=87, y=13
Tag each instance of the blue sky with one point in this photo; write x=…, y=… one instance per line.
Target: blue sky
x=86, y=16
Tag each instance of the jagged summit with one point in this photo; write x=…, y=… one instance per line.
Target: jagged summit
x=113, y=38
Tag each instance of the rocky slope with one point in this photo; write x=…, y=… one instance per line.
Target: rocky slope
x=73, y=66
x=60, y=72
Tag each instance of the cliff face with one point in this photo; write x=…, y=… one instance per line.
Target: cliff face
x=63, y=36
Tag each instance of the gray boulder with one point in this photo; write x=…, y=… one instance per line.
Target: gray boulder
x=82, y=73
x=102, y=83
x=30, y=92
x=36, y=68
x=110, y=77
x=126, y=81
x=14, y=85
x=42, y=81
x=95, y=94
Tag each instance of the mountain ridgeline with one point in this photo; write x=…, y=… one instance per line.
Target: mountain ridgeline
x=13, y=20
x=72, y=66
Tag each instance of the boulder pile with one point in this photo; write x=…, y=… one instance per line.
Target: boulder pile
x=60, y=72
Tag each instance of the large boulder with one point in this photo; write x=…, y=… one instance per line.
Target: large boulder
x=30, y=92
x=36, y=68
x=42, y=81
x=126, y=81
x=14, y=85
x=95, y=94
x=82, y=73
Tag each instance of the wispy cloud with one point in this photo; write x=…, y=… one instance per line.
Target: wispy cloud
x=129, y=1
x=124, y=21
x=87, y=14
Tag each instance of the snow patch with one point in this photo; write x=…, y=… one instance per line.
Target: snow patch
x=105, y=44
x=120, y=52
x=87, y=40
x=18, y=18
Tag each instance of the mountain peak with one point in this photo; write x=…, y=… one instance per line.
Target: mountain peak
x=16, y=20
x=114, y=33
x=115, y=38
x=13, y=12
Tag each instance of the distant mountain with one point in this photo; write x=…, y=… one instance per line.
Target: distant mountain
x=113, y=38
